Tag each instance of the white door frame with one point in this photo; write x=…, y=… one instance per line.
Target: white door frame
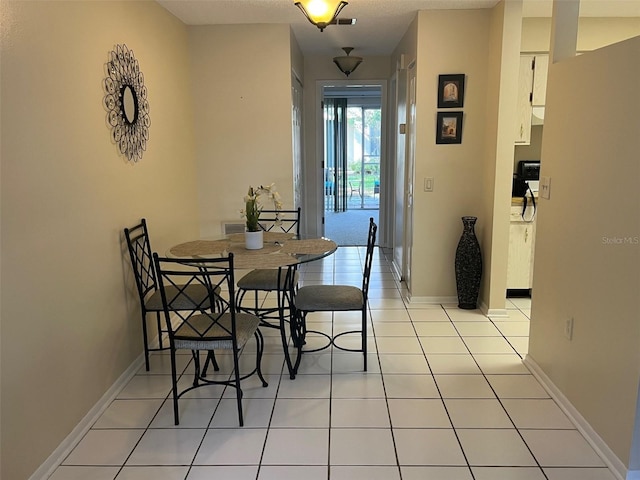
x=315, y=207
x=409, y=175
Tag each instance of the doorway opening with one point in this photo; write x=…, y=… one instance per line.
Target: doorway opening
x=352, y=161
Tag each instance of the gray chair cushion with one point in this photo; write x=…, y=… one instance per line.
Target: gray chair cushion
x=324, y=298
x=264, y=279
x=185, y=301
x=203, y=334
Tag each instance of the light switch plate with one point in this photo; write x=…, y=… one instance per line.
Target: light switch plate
x=428, y=184
x=544, y=190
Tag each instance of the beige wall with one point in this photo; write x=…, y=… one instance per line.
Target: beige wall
x=592, y=32
x=297, y=59
x=587, y=251
x=241, y=86
x=504, y=54
x=473, y=178
x=215, y=118
x=457, y=169
x=70, y=320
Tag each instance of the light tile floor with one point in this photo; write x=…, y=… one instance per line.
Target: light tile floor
x=446, y=397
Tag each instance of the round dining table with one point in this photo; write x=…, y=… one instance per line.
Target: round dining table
x=283, y=251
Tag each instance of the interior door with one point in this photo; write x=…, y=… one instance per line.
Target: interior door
x=409, y=175
x=399, y=175
x=296, y=125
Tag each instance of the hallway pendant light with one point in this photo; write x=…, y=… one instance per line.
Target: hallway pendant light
x=346, y=63
x=321, y=12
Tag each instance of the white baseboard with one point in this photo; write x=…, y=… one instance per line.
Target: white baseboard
x=69, y=443
x=396, y=271
x=496, y=313
x=433, y=300
x=602, y=449
x=493, y=312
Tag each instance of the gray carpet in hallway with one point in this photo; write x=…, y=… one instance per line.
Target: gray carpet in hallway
x=349, y=228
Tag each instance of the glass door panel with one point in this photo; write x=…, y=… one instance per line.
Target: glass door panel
x=363, y=157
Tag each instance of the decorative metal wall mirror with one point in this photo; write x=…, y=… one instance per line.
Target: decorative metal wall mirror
x=126, y=103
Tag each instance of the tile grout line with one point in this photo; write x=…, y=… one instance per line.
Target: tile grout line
x=444, y=405
x=273, y=409
x=498, y=397
x=146, y=391
x=386, y=398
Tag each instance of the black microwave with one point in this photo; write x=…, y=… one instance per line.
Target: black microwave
x=529, y=169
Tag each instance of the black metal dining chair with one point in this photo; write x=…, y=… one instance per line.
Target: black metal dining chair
x=287, y=221
x=334, y=298
x=201, y=329
x=266, y=280
x=139, y=247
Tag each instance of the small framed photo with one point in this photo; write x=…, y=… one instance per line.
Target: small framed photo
x=451, y=90
x=449, y=127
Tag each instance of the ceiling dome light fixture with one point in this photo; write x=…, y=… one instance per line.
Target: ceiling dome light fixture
x=347, y=64
x=321, y=12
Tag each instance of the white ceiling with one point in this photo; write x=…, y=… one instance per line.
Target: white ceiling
x=380, y=23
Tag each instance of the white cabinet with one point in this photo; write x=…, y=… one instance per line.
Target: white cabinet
x=532, y=92
x=521, y=248
x=540, y=69
x=524, y=107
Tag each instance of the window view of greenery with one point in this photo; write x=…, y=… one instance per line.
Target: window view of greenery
x=352, y=158
x=363, y=156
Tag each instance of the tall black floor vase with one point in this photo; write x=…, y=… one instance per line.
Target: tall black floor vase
x=468, y=266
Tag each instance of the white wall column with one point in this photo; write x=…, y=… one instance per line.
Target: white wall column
x=564, y=29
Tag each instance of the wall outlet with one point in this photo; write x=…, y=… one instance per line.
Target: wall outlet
x=568, y=328
x=544, y=188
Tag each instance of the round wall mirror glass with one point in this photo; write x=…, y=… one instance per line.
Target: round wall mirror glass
x=129, y=104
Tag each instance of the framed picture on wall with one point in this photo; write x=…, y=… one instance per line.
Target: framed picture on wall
x=451, y=90
x=449, y=127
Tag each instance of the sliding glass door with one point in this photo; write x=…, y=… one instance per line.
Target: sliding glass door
x=335, y=169
x=363, y=174
x=353, y=166
x=352, y=158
